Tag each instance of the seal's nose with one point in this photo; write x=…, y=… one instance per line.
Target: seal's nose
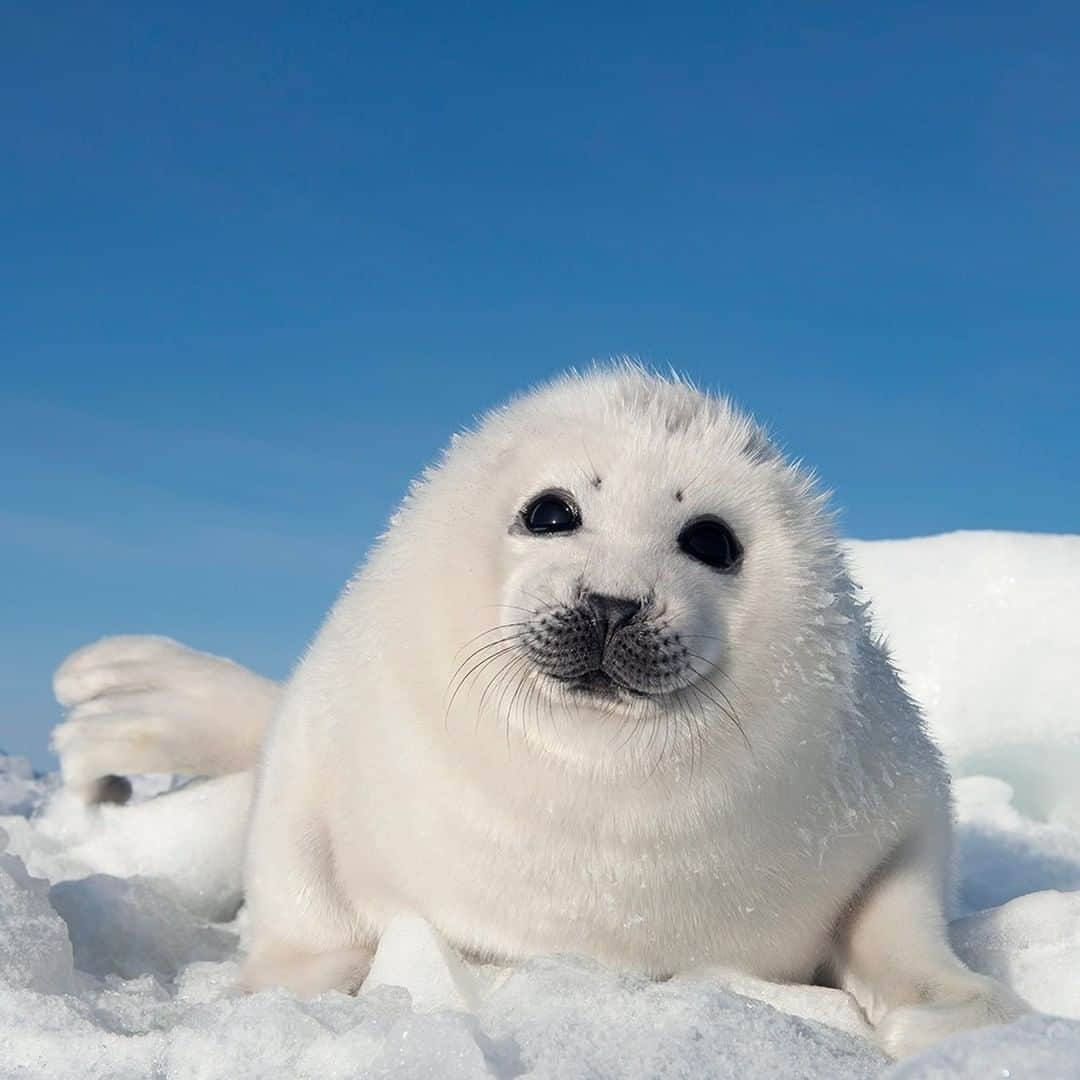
x=611, y=612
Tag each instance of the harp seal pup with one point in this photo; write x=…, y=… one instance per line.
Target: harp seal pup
x=603, y=687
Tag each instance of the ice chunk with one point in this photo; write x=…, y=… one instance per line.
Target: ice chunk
x=205, y=981
x=1034, y=1047
x=445, y=1046
x=123, y=926
x=130, y=1006
x=61, y=1037
x=273, y=1035
x=35, y=952
x=574, y=1019
x=357, y=1031
x=414, y=955
x=258, y=1036
x=835, y=1008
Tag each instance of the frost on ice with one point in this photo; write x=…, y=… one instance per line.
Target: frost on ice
x=118, y=938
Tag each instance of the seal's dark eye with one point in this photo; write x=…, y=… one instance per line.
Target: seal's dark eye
x=551, y=512
x=710, y=541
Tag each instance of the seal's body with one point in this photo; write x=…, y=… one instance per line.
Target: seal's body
x=604, y=687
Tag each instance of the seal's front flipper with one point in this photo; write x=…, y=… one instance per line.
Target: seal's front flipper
x=893, y=955
x=307, y=974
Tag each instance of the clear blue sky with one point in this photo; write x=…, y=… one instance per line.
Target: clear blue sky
x=259, y=262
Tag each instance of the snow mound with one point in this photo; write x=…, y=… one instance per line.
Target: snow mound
x=119, y=942
x=1033, y=944
x=984, y=627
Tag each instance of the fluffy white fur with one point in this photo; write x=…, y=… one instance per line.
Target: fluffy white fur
x=777, y=809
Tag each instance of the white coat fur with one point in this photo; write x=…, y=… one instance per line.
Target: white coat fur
x=776, y=806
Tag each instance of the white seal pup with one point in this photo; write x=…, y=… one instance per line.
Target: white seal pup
x=603, y=687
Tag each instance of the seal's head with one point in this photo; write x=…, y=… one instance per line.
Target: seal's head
x=635, y=573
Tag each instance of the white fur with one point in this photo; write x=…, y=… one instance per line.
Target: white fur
x=419, y=762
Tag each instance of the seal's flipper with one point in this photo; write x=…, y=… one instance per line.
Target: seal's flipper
x=893, y=956
x=139, y=704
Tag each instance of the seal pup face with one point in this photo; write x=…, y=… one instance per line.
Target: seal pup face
x=637, y=643
x=657, y=573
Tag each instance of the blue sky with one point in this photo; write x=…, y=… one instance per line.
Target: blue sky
x=259, y=262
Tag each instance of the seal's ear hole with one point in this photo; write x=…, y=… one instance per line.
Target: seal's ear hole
x=712, y=542
x=551, y=512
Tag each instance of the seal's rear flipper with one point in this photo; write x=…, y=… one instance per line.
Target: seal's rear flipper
x=142, y=704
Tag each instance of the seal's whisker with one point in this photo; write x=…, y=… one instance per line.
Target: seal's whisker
x=653, y=729
x=530, y=689
x=550, y=701
x=725, y=711
x=723, y=705
x=666, y=725
x=546, y=605
x=639, y=717
x=512, y=708
x=533, y=701
x=494, y=680
x=698, y=721
x=501, y=647
x=593, y=477
x=697, y=476
x=509, y=678
x=708, y=678
x=711, y=664
x=689, y=721
x=515, y=680
x=465, y=678
x=492, y=630
x=481, y=649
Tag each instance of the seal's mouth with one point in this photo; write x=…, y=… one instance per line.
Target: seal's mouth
x=600, y=684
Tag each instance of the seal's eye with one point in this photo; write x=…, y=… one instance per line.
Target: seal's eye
x=710, y=541
x=552, y=512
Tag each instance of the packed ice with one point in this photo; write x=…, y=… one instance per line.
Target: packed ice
x=120, y=928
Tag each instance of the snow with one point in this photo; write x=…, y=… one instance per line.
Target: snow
x=984, y=627
x=119, y=933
